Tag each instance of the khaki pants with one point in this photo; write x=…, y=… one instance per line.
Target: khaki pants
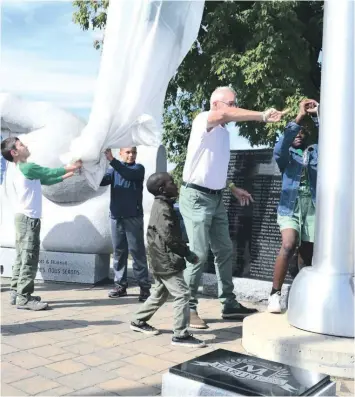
x=206, y=224
x=27, y=255
x=174, y=285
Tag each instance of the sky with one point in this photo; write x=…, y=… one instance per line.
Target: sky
x=46, y=57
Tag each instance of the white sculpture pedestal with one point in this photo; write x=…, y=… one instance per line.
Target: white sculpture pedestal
x=63, y=266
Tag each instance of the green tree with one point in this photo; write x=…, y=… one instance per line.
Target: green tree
x=267, y=51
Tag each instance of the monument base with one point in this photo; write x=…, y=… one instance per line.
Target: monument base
x=271, y=337
x=63, y=266
x=226, y=373
x=246, y=289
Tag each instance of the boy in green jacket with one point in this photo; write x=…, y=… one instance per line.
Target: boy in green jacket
x=28, y=180
x=167, y=252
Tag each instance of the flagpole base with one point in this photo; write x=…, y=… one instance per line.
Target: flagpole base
x=271, y=337
x=322, y=302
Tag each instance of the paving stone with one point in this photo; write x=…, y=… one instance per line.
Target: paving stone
x=11, y=373
x=67, y=366
x=47, y=351
x=24, y=342
x=82, y=348
x=58, y=391
x=133, y=372
x=6, y=349
x=83, y=379
x=62, y=357
x=35, y=385
x=93, y=391
x=149, y=362
x=93, y=335
x=91, y=360
x=26, y=360
x=106, y=340
x=126, y=387
x=47, y=372
x=177, y=357
x=8, y=390
x=148, y=348
x=112, y=365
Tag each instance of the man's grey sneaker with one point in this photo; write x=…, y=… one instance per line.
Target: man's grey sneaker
x=187, y=341
x=117, y=292
x=144, y=295
x=31, y=304
x=196, y=321
x=144, y=327
x=237, y=312
x=13, y=296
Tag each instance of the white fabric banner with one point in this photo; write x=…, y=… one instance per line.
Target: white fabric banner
x=145, y=42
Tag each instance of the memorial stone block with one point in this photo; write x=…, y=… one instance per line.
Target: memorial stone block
x=63, y=266
x=254, y=231
x=230, y=373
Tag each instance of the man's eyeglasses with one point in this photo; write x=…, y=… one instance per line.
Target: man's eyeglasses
x=230, y=104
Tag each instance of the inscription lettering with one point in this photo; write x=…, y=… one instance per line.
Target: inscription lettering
x=254, y=230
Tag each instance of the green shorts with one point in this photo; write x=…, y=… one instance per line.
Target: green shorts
x=302, y=220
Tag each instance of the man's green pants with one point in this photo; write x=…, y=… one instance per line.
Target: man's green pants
x=206, y=224
x=27, y=255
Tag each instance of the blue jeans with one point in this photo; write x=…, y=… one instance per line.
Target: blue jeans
x=128, y=236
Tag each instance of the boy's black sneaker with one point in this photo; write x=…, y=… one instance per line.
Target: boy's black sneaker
x=237, y=312
x=144, y=327
x=117, y=292
x=187, y=341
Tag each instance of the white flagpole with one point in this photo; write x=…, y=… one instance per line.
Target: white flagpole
x=322, y=296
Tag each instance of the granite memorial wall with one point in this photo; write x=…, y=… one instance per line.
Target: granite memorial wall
x=254, y=231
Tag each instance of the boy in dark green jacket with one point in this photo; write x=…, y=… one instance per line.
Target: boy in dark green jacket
x=28, y=180
x=167, y=253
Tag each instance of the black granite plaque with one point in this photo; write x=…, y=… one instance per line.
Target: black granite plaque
x=250, y=376
x=254, y=231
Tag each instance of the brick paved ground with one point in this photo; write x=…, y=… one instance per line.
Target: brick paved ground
x=83, y=345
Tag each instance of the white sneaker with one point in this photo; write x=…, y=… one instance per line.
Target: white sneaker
x=274, y=305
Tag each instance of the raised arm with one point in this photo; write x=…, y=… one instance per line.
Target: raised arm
x=48, y=176
x=229, y=114
x=282, y=147
x=281, y=150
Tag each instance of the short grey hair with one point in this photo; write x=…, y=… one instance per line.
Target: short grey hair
x=220, y=90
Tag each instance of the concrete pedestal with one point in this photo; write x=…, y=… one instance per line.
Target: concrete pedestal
x=271, y=337
x=246, y=289
x=63, y=266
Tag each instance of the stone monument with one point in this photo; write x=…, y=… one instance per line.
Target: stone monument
x=75, y=234
x=225, y=373
x=254, y=231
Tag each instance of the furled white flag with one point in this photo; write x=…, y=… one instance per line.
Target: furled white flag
x=145, y=41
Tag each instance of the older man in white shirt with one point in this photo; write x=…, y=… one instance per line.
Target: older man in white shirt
x=201, y=204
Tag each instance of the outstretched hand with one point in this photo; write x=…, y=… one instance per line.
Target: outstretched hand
x=273, y=116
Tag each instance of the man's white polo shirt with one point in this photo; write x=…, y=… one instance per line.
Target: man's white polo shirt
x=208, y=155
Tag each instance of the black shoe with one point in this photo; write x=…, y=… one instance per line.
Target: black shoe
x=144, y=327
x=144, y=295
x=237, y=312
x=117, y=292
x=187, y=341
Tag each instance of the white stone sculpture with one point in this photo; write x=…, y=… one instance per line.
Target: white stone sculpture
x=75, y=216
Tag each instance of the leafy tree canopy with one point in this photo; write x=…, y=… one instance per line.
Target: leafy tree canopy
x=268, y=51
